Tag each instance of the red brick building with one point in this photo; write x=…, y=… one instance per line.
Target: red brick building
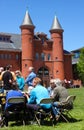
x=47, y=56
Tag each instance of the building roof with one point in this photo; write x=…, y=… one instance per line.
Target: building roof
x=27, y=19
x=75, y=58
x=67, y=52
x=14, y=44
x=56, y=24
x=77, y=50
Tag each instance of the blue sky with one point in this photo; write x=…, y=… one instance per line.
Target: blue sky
x=70, y=14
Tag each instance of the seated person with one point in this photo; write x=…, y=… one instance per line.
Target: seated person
x=36, y=95
x=60, y=94
x=14, y=92
x=52, y=86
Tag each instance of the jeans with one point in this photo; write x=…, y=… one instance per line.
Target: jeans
x=55, y=109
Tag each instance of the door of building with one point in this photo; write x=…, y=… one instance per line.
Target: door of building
x=43, y=73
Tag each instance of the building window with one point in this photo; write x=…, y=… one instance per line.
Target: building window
x=17, y=57
x=43, y=72
x=42, y=56
x=0, y=38
x=49, y=57
x=9, y=56
x=1, y=56
x=77, y=55
x=37, y=56
x=5, y=38
x=6, y=56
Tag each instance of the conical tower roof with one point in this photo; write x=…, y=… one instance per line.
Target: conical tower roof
x=56, y=25
x=27, y=19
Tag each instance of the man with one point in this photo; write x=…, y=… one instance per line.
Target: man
x=51, y=88
x=7, y=76
x=30, y=78
x=60, y=94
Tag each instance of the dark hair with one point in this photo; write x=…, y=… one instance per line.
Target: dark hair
x=14, y=86
x=8, y=67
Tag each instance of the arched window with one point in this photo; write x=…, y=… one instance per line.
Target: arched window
x=43, y=72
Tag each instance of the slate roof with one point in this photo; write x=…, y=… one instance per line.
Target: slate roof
x=67, y=52
x=13, y=45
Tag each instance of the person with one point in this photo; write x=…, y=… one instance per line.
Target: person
x=7, y=76
x=51, y=88
x=36, y=95
x=14, y=92
x=60, y=94
x=1, y=87
x=20, y=80
x=1, y=70
x=30, y=78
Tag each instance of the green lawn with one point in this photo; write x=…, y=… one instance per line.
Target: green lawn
x=77, y=113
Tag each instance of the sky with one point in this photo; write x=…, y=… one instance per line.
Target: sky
x=70, y=14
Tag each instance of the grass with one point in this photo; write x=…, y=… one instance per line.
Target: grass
x=77, y=113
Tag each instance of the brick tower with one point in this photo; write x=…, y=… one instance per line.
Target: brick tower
x=27, y=34
x=57, y=54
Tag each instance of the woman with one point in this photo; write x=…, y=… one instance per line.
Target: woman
x=20, y=80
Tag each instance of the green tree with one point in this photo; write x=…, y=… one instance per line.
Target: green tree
x=80, y=65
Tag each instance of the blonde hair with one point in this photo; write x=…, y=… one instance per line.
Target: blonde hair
x=37, y=80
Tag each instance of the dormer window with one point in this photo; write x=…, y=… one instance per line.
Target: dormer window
x=4, y=38
x=0, y=38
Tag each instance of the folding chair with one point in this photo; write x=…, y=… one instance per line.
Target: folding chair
x=42, y=113
x=17, y=109
x=66, y=106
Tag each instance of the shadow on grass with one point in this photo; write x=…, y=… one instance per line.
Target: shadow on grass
x=46, y=122
x=61, y=120
x=69, y=119
x=12, y=124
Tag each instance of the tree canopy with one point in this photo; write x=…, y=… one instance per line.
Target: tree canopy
x=80, y=65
